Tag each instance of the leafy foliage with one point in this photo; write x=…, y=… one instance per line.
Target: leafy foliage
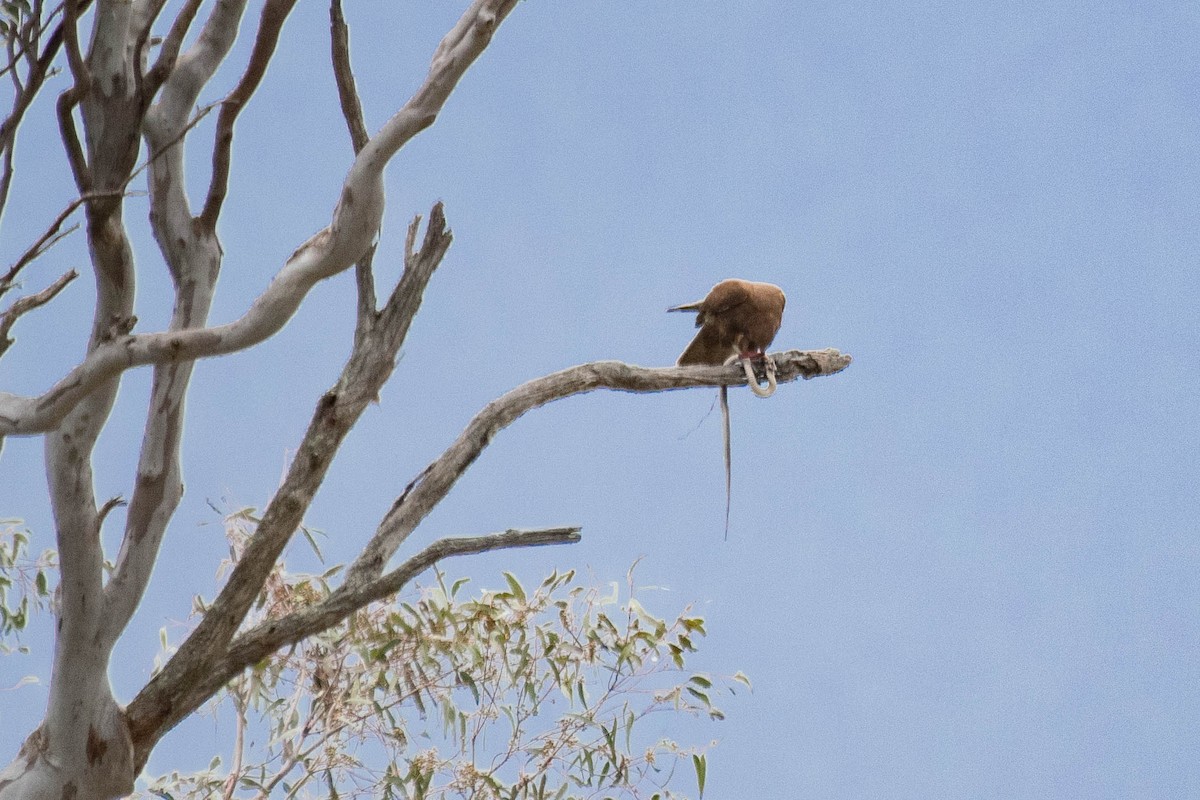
x=520, y=693
x=24, y=583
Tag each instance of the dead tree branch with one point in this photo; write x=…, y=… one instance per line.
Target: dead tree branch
x=48, y=239
x=168, y=52
x=438, y=478
x=75, y=59
x=274, y=14
x=339, y=36
x=343, y=74
x=28, y=303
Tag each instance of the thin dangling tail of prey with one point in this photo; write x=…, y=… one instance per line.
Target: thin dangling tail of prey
x=728, y=456
x=728, y=448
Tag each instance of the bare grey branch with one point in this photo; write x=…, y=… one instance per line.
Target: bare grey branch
x=28, y=303
x=438, y=478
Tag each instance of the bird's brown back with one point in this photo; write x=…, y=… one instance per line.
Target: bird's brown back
x=737, y=316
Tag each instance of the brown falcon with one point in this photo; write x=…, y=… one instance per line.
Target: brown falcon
x=737, y=318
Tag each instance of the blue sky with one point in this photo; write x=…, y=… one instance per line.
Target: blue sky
x=969, y=566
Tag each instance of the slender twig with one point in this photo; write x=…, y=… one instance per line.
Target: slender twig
x=143, y=23
x=79, y=70
x=49, y=237
x=141, y=26
x=6, y=177
x=339, y=38
x=109, y=505
x=70, y=136
x=239, y=748
x=197, y=118
x=339, y=35
x=169, y=51
x=31, y=32
x=274, y=14
x=364, y=282
x=298, y=754
x=25, y=304
x=10, y=47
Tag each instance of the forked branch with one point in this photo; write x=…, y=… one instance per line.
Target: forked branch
x=368, y=368
x=28, y=303
x=261, y=641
